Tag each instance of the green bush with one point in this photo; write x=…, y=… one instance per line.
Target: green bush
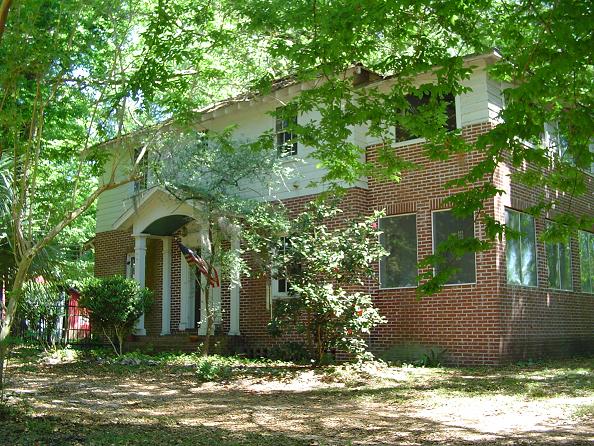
x=114, y=304
x=213, y=368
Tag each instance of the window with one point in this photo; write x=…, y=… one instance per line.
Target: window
x=281, y=286
x=286, y=142
x=130, y=264
x=558, y=146
x=586, y=240
x=556, y=142
x=415, y=102
x=446, y=224
x=559, y=264
x=399, y=237
x=520, y=251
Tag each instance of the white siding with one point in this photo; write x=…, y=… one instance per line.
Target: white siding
x=251, y=119
x=495, y=98
x=474, y=104
x=112, y=203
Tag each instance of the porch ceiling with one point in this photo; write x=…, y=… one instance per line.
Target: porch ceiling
x=166, y=225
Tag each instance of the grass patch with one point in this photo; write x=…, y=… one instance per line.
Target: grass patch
x=585, y=411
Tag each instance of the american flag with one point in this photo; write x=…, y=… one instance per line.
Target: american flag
x=194, y=259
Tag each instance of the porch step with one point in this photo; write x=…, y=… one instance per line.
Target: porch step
x=183, y=342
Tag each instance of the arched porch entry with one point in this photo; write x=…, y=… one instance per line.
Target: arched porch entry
x=158, y=215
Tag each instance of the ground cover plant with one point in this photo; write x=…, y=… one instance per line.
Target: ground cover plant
x=74, y=398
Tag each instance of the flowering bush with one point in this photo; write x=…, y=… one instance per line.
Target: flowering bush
x=327, y=270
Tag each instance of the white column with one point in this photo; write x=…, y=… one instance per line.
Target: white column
x=166, y=291
x=235, y=284
x=140, y=273
x=184, y=290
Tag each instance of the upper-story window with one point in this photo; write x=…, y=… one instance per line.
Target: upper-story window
x=415, y=102
x=286, y=141
x=556, y=143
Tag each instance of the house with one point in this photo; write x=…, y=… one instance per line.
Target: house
x=519, y=300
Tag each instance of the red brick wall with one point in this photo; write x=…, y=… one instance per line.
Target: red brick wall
x=111, y=250
x=462, y=319
x=483, y=323
x=154, y=281
x=540, y=321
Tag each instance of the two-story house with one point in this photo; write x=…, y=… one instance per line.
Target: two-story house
x=521, y=299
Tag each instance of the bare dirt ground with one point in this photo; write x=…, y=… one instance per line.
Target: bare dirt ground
x=87, y=403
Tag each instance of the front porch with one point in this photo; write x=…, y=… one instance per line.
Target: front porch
x=158, y=223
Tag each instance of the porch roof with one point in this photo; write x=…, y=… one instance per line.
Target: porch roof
x=156, y=212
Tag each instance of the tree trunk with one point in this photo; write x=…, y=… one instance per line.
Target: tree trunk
x=121, y=342
x=11, y=309
x=207, y=302
x=206, y=347
x=4, y=7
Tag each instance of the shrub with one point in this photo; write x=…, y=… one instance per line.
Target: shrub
x=324, y=266
x=114, y=304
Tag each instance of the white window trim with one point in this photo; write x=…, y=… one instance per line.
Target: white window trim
x=285, y=156
x=433, y=248
x=274, y=292
x=379, y=262
x=535, y=254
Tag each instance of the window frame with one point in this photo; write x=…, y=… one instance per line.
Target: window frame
x=433, y=247
x=274, y=292
x=282, y=130
x=589, y=235
x=553, y=141
x=536, y=285
x=408, y=287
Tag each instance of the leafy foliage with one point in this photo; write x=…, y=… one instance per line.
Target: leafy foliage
x=324, y=267
x=114, y=304
x=217, y=173
x=41, y=306
x=544, y=65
